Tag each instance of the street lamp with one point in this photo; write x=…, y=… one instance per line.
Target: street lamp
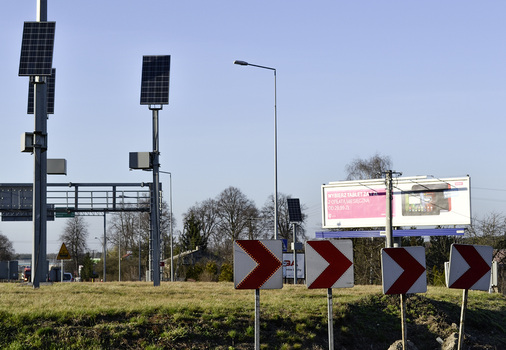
x=243, y=63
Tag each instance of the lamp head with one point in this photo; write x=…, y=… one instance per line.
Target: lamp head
x=241, y=63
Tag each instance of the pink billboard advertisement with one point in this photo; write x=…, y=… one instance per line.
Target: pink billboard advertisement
x=416, y=201
x=356, y=204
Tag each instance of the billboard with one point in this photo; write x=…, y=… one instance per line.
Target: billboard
x=288, y=265
x=417, y=201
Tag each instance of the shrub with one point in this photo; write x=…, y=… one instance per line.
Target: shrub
x=227, y=273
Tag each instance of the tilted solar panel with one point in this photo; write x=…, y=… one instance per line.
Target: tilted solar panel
x=155, y=80
x=37, y=49
x=50, y=81
x=294, y=212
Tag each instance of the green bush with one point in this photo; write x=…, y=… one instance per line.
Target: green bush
x=227, y=273
x=194, y=272
x=438, y=277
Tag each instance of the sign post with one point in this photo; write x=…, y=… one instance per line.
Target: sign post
x=470, y=268
x=257, y=265
x=63, y=254
x=329, y=264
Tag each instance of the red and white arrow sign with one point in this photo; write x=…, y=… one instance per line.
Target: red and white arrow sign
x=257, y=264
x=329, y=264
x=470, y=267
x=403, y=270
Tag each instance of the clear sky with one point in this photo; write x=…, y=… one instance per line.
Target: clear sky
x=423, y=82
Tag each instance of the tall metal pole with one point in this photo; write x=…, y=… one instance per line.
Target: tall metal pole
x=155, y=209
x=39, y=267
x=275, y=160
x=243, y=63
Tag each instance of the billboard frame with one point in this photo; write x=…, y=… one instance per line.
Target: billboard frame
x=417, y=201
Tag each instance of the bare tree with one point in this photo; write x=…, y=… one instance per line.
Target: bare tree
x=235, y=213
x=366, y=251
x=372, y=168
x=74, y=236
x=6, y=249
x=489, y=230
x=285, y=229
x=206, y=213
x=130, y=230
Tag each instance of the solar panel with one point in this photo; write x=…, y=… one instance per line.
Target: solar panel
x=37, y=49
x=155, y=80
x=294, y=213
x=50, y=93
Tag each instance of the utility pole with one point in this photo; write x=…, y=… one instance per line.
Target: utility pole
x=389, y=198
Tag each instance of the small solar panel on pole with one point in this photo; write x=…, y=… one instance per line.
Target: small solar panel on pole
x=50, y=82
x=37, y=49
x=294, y=212
x=155, y=94
x=295, y=216
x=155, y=80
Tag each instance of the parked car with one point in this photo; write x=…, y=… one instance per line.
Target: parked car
x=67, y=277
x=27, y=274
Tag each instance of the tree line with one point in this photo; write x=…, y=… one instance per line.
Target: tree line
x=212, y=225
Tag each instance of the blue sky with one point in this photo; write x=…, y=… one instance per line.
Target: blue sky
x=421, y=82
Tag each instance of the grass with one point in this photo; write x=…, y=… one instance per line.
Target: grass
x=136, y=315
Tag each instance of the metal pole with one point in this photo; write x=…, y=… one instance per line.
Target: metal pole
x=257, y=319
x=243, y=63
x=404, y=326
x=41, y=10
x=171, y=235
x=104, y=255
x=330, y=318
x=275, y=160
x=140, y=267
x=462, y=320
x=119, y=256
x=155, y=210
x=294, y=253
x=39, y=267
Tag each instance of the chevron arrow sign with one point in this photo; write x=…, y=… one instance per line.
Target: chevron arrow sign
x=329, y=264
x=257, y=264
x=470, y=267
x=403, y=270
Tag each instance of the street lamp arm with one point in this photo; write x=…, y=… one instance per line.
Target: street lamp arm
x=244, y=63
